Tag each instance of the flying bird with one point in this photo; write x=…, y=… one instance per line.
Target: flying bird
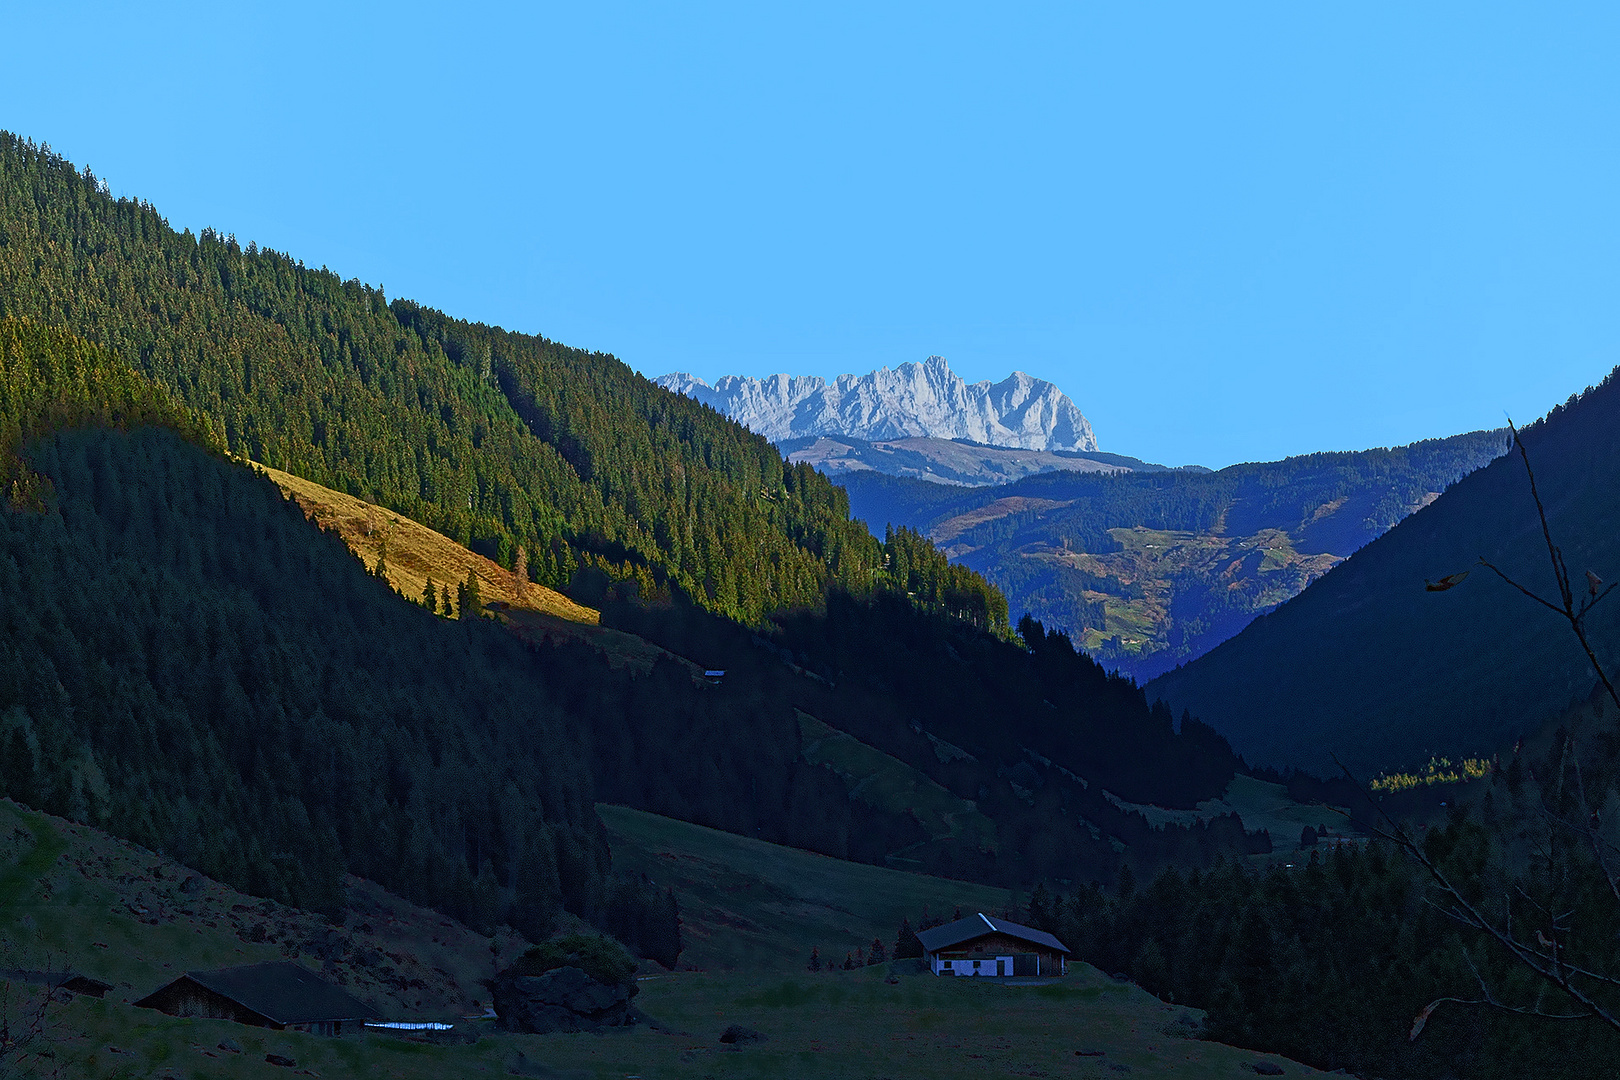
x=1592, y=583
x=1450, y=581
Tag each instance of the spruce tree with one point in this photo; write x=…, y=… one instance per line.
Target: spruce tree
x=19, y=769
x=472, y=605
x=906, y=945
x=520, y=574
x=430, y=598
x=1039, y=911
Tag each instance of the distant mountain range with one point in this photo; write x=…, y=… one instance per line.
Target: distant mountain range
x=1148, y=567
x=925, y=400
x=1145, y=567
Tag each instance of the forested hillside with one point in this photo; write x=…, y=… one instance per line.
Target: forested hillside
x=1034, y=738
x=1150, y=569
x=1369, y=665
x=197, y=667
x=494, y=438
x=679, y=520
x=1330, y=961
x=187, y=665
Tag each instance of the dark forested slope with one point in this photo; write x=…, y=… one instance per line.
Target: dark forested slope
x=494, y=438
x=1034, y=738
x=1148, y=570
x=187, y=661
x=1369, y=665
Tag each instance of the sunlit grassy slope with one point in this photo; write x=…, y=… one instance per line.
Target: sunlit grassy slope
x=416, y=553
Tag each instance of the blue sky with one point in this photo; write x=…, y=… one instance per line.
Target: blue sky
x=1230, y=232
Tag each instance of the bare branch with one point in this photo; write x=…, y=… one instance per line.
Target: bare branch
x=1559, y=572
x=1548, y=604
x=1588, y=605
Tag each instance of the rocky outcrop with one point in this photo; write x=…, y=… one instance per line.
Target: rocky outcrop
x=563, y=999
x=926, y=399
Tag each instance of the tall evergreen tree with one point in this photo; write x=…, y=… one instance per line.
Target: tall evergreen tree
x=906, y=944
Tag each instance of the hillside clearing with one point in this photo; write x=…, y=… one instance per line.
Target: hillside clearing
x=748, y=904
x=415, y=553
x=886, y=782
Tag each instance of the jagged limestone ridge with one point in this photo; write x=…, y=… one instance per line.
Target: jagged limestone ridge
x=926, y=399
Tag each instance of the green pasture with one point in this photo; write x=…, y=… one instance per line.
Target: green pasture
x=748, y=904
x=886, y=782
x=843, y=1024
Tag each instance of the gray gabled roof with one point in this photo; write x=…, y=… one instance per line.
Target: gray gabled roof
x=955, y=933
x=283, y=993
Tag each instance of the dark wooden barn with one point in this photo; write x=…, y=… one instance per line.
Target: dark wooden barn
x=277, y=995
x=983, y=945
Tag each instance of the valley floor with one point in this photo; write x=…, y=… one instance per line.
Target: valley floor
x=843, y=1024
x=72, y=898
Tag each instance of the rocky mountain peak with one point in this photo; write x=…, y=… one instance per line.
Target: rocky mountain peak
x=912, y=400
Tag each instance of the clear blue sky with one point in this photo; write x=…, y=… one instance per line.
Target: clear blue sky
x=1230, y=231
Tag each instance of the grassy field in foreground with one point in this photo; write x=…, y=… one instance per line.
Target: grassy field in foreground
x=747, y=904
x=843, y=1024
x=72, y=898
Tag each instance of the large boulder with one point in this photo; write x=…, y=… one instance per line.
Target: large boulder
x=563, y=999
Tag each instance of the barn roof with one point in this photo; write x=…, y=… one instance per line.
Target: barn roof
x=64, y=980
x=283, y=993
x=974, y=926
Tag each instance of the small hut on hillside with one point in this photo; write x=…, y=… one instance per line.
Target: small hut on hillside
x=276, y=995
x=982, y=945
